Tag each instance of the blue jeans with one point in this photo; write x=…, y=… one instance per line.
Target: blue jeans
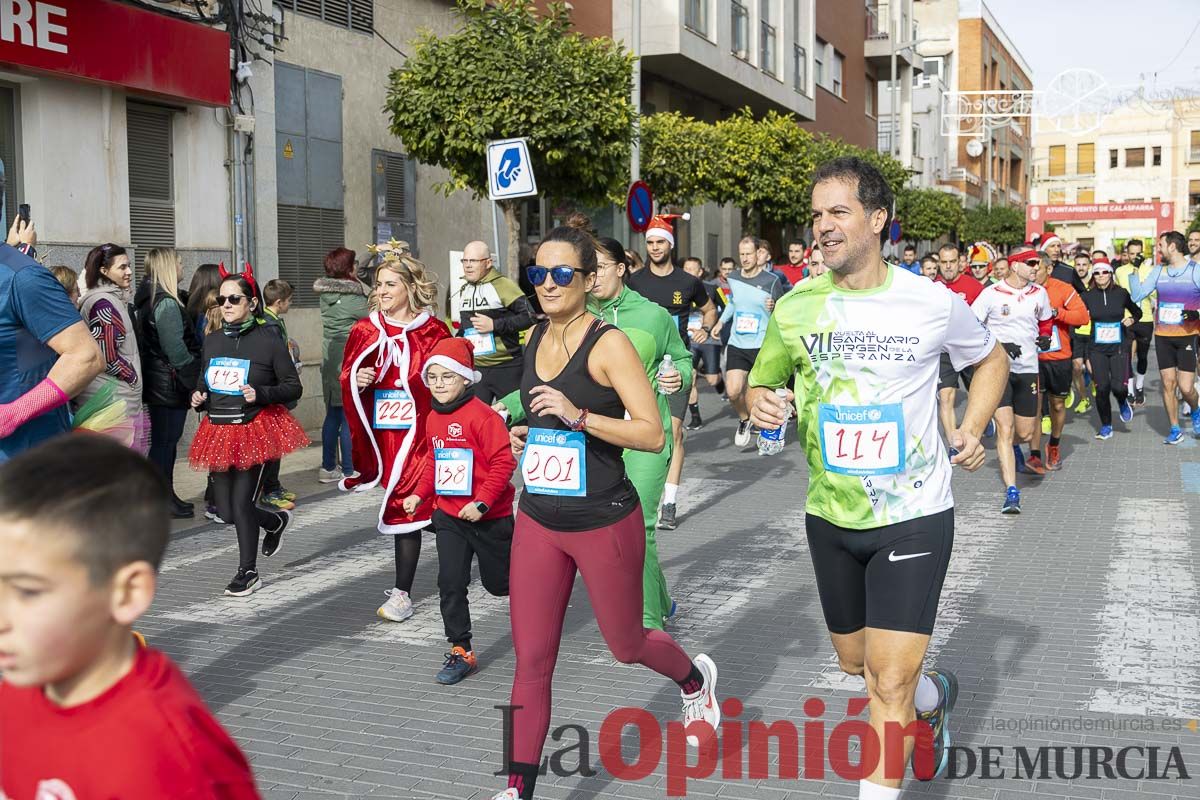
x=334, y=430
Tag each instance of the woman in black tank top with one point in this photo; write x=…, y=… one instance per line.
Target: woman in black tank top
x=586, y=399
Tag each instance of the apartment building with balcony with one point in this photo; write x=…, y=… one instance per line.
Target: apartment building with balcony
x=1142, y=152
x=964, y=45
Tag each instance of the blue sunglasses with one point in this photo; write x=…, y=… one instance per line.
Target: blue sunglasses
x=562, y=275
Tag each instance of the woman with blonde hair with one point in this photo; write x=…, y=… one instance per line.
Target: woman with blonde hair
x=170, y=362
x=387, y=404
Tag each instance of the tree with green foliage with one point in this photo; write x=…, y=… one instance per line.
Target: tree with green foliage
x=927, y=214
x=679, y=156
x=1003, y=226
x=764, y=165
x=510, y=72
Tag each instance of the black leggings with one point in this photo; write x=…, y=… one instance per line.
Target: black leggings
x=1109, y=371
x=235, y=492
x=1142, y=333
x=408, y=552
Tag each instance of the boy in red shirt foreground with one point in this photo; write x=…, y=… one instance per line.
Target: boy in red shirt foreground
x=86, y=711
x=470, y=479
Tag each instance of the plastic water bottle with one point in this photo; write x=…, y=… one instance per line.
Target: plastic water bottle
x=771, y=442
x=667, y=367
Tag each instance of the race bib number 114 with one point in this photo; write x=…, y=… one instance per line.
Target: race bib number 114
x=862, y=440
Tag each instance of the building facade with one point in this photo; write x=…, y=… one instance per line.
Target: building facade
x=1142, y=152
x=963, y=45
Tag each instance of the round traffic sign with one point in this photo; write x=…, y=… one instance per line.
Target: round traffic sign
x=895, y=231
x=639, y=206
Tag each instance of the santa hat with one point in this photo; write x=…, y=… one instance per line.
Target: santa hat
x=1047, y=240
x=660, y=226
x=1102, y=265
x=456, y=355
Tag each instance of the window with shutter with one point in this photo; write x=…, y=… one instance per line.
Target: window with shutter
x=1086, y=195
x=151, y=189
x=1057, y=197
x=395, y=178
x=306, y=235
x=1085, y=155
x=1058, y=159
x=1135, y=157
x=10, y=172
x=357, y=15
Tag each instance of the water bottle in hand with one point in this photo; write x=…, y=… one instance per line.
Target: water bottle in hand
x=667, y=367
x=771, y=442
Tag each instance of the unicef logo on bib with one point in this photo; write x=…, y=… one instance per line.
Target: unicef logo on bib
x=874, y=415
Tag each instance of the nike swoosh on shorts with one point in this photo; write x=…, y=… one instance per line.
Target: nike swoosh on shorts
x=893, y=557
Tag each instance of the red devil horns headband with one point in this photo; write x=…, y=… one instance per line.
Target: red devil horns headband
x=247, y=273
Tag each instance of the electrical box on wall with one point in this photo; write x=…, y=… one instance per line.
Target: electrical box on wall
x=243, y=123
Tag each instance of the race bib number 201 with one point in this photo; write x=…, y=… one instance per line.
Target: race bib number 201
x=862, y=440
x=227, y=375
x=553, y=463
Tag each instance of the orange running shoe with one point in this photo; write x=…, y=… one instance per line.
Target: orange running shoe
x=1053, y=457
x=1034, y=466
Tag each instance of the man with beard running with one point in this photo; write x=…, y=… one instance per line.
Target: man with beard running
x=880, y=513
x=961, y=283
x=679, y=293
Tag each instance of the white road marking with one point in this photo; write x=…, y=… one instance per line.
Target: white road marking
x=1149, y=629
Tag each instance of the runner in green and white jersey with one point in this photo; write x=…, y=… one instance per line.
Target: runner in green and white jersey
x=863, y=342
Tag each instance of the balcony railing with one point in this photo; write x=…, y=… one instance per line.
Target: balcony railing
x=695, y=16
x=963, y=174
x=877, y=26
x=766, y=48
x=740, y=24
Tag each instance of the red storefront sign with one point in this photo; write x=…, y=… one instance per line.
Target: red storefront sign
x=1036, y=216
x=118, y=45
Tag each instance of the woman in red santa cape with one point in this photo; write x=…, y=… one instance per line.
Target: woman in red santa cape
x=387, y=404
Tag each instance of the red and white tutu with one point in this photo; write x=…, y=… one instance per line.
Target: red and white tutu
x=268, y=437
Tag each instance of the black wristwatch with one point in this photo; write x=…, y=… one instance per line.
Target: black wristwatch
x=481, y=507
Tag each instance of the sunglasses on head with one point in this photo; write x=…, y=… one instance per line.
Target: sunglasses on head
x=233, y=299
x=562, y=274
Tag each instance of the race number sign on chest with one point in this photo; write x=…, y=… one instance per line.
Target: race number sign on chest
x=554, y=463
x=747, y=322
x=1170, y=313
x=454, y=469
x=484, y=344
x=1107, y=332
x=394, y=410
x=227, y=375
x=862, y=440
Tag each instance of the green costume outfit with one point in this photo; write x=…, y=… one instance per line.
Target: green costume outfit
x=654, y=334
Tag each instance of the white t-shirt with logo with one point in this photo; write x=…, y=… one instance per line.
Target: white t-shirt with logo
x=1013, y=316
x=866, y=366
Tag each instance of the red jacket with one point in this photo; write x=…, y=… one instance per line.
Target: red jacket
x=476, y=427
x=392, y=457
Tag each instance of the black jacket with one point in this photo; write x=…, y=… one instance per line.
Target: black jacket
x=163, y=384
x=272, y=374
x=1109, y=305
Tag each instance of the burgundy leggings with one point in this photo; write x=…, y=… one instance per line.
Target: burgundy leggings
x=540, y=581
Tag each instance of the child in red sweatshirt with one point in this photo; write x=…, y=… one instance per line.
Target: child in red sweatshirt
x=470, y=479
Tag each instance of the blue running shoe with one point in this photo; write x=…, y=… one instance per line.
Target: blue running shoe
x=1175, y=436
x=1126, y=411
x=459, y=664
x=1196, y=422
x=1012, y=501
x=1105, y=432
x=671, y=613
x=990, y=430
x=939, y=719
x=1020, y=458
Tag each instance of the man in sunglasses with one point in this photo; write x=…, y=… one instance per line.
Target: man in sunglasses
x=679, y=293
x=493, y=313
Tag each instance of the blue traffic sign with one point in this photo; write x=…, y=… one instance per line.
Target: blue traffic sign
x=639, y=206
x=894, y=233
x=510, y=174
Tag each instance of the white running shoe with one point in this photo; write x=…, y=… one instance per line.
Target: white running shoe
x=329, y=475
x=398, y=607
x=742, y=437
x=507, y=794
x=702, y=705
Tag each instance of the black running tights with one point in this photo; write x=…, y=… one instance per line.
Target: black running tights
x=235, y=492
x=1109, y=371
x=408, y=552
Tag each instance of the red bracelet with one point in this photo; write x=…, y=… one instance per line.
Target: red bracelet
x=580, y=423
